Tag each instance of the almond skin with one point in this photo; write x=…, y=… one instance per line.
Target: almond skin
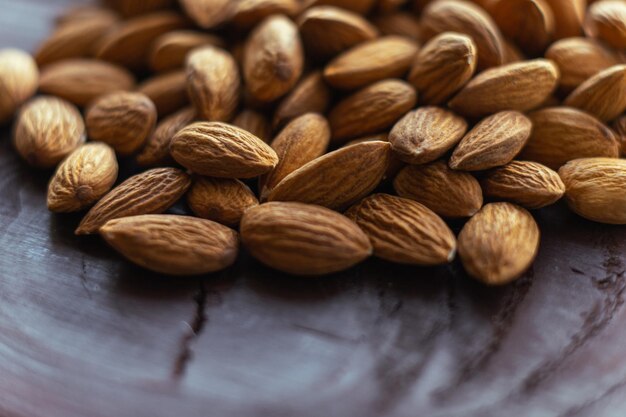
x=273, y=59
x=606, y=20
x=303, y=239
x=130, y=8
x=310, y=95
x=447, y=192
x=222, y=200
x=568, y=17
x=169, y=51
x=213, y=83
x=357, y=6
x=47, y=130
x=499, y=243
x=444, y=65
x=81, y=13
x=426, y=134
x=337, y=179
x=220, y=150
x=528, y=23
x=371, y=109
x=493, y=142
x=18, y=81
x=248, y=13
x=603, y=95
x=619, y=126
x=528, y=184
x=255, y=123
x=173, y=245
x=520, y=86
x=151, y=192
x=83, y=178
x=372, y=61
x=400, y=24
x=208, y=13
x=596, y=188
x=561, y=134
x=167, y=91
x=122, y=120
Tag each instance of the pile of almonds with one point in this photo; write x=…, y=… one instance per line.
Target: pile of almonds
x=320, y=106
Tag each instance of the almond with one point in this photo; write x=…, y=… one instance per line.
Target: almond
x=303, y=239
x=255, y=123
x=248, y=13
x=82, y=80
x=447, y=192
x=83, y=178
x=493, y=142
x=151, y=192
x=395, y=165
x=357, y=6
x=167, y=91
x=529, y=23
x=371, y=61
x=337, y=179
x=444, y=65
x=512, y=53
x=222, y=200
x=596, y=188
x=561, y=134
x=273, y=59
x=220, y=150
x=568, y=17
x=129, y=8
x=528, y=184
x=47, y=130
x=157, y=149
x=620, y=129
x=371, y=109
x=390, y=6
x=213, y=83
x=169, y=51
x=301, y=141
x=603, y=95
x=174, y=245
x=404, y=231
x=499, y=243
x=606, y=20
x=81, y=13
x=520, y=86
x=122, y=120
x=18, y=81
x=426, y=134
x=399, y=24
x=209, y=13
x=310, y=95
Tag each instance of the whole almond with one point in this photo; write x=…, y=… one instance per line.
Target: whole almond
x=83, y=178
x=248, y=13
x=466, y=18
x=499, y=243
x=606, y=20
x=561, y=134
x=371, y=61
x=255, y=123
x=18, y=81
x=48, y=129
x=493, y=142
x=400, y=24
x=82, y=80
x=222, y=200
x=620, y=129
x=520, y=86
x=529, y=23
x=568, y=17
x=129, y=8
x=596, y=188
x=274, y=59
x=213, y=83
x=169, y=51
x=217, y=149
x=357, y=6
x=447, y=192
x=371, y=109
x=395, y=165
x=303, y=239
x=310, y=95
x=337, y=179
x=603, y=95
x=81, y=13
x=157, y=148
x=444, y=65
x=404, y=231
x=208, y=13
x=426, y=134
x=301, y=141
x=173, y=245
x=151, y=192
x=528, y=184
x=168, y=91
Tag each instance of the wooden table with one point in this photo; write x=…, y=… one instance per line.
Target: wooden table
x=83, y=333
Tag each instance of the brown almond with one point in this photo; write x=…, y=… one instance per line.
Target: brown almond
x=168, y=91
x=528, y=23
x=399, y=24
x=371, y=109
x=395, y=165
x=220, y=150
x=80, y=13
x=223, y=200
x=426, y=134
x=357, y=6
x=303, y=239
x=447, y=192
x=255, y=123
x=122, y=120
x=151, y=192
x=82, y=80
x=512, y=53
x=619, y=125
x=248, y=13
x=444, y=65
x=83, y=178
x=404, y=231
x=208, y=13
x=173, y=245
x=169, y=51
x=606, y=20
x=568, y=17
x=18, y=81
x=310, y=95
x=130, y=8
x=528, y=184
x=520, y=86
x=603, y=95
x=157, y=149
x=561, y=134
x=596, y=188
x=48, y=129
x=337, y=179
x=499, y=243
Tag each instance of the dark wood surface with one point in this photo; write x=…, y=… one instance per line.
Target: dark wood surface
x=83, y=333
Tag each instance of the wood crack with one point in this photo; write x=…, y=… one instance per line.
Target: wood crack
x=185, y=352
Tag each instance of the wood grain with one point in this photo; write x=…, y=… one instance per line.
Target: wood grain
x=83, y=333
